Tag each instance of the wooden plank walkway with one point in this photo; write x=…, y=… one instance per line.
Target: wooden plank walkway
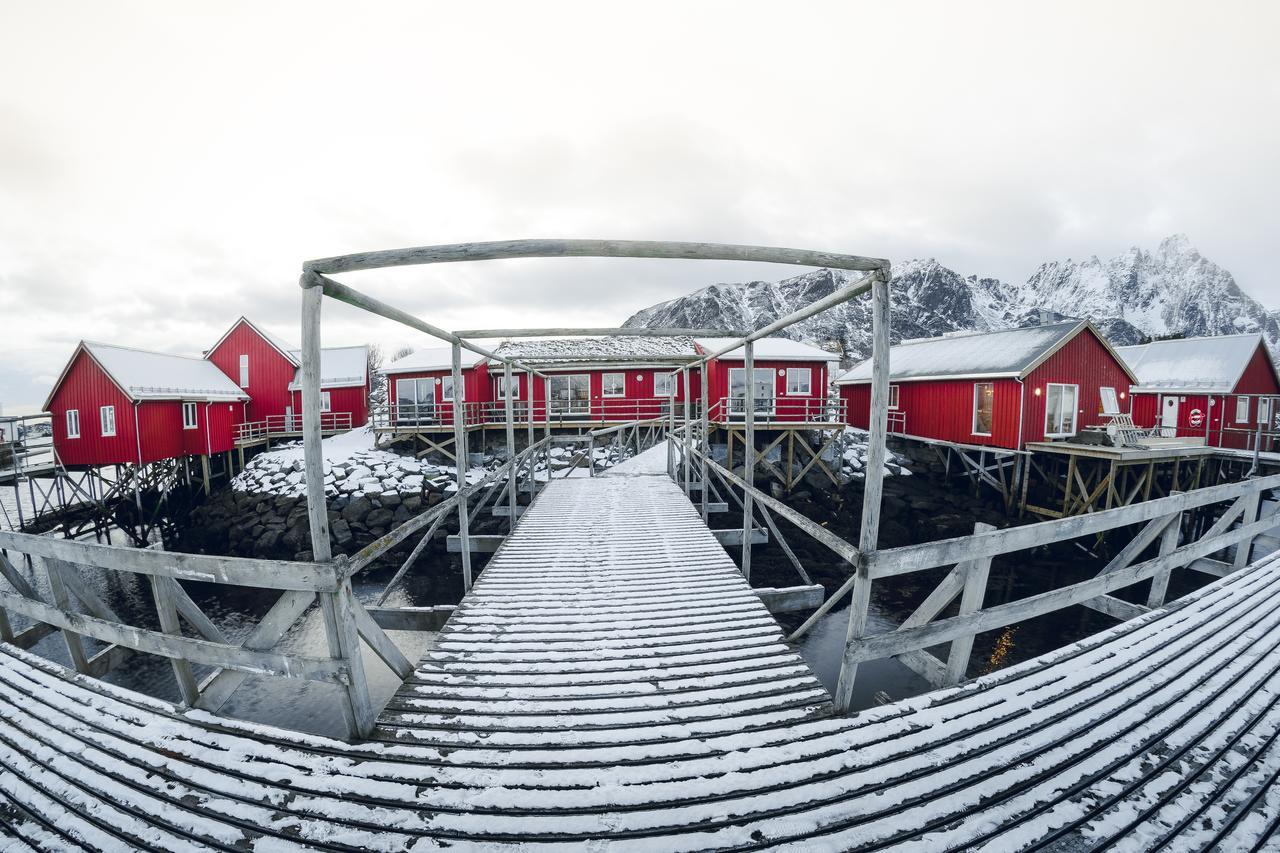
x=623, y=707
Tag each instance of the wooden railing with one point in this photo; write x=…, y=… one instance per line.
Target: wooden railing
x=970, y=559
x=273, y=425
x=780, y=410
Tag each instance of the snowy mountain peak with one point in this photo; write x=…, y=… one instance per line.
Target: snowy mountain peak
x=1173, y=290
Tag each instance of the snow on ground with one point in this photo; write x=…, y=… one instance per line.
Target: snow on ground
x=851, y=449
x=651, y=461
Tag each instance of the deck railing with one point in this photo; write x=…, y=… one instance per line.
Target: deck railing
x=780, y=410
x=284, y=425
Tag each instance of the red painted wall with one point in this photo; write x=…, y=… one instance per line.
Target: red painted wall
x=788, y=406
x=86, y=387
x=943, y=409
x=269, y=372
x=353, y=401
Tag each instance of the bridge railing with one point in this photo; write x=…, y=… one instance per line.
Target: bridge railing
x=1174, y=544
x=289, y=424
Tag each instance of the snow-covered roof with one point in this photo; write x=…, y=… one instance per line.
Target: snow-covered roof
x=340, y=367
x=431, y=358
x=1007, y=353
x=1213, y=364
x=676, y=349
x=769, y=349
x=145, y=375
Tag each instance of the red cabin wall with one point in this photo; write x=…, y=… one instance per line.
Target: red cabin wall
x=788, y=406
x=1259, y=376
x=1082, y=361
x=269, y=372
x=215, y=428
x=86, y=387
x=352, y=400
x=942, y=409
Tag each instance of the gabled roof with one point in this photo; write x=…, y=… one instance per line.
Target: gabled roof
x=1210, y=365
x=1010, y=353
x=144, y=375
x=340, y=367
x=431, y=358
x=769, y=349
x=620, y=349
x=284, y=348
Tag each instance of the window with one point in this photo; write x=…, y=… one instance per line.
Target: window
x=799, y=381
x=663, y=384
x=446, y=388
x=614, y=385
x=984, y=398
x=763, y=390
x=189, y=420
x=1264, y=410
x=1110, y=403
x=324, y=401
x=1242, y=410
x=107, y=414
x=893, y=396
x=1060, y=410
x=570, y=394
x=73, y=423
x=244, y=371
x=415, y=400
x=515, y=387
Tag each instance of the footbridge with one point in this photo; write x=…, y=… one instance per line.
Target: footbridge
x=611, y=679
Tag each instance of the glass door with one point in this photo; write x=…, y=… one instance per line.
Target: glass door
x=570, y=395
x=415, y=401
x=763, y=381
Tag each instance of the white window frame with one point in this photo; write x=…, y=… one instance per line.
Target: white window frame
x=502, y=386
x=664, y=384
x=244, y=370
x=1075, y=409
x=808, y=381
x=974, y=423
x=326, y=402
x=893, y=396
x=1242, y=410
x=192, y=422
x=73, y=423
x=106, y=413
x=1115, y=398
x=622, y=382
x=1264, y=410
x=448, y=397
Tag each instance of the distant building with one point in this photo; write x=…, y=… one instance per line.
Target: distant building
x=996, y=389
x=1220, y=388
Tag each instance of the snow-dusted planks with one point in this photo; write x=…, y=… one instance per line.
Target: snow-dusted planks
x=1163, y=729
x=610, y=613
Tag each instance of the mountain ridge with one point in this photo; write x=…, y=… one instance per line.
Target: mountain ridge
x=1138, y=295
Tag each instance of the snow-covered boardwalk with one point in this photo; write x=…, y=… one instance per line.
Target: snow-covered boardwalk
x=611, y=681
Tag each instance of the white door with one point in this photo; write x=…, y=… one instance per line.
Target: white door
x=1169, y=417
x=288, y=419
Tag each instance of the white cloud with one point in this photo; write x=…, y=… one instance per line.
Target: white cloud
x=163, y=170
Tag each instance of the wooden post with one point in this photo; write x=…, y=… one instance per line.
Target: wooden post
x=460, y=451
x=511, y=448
x=688, y=436
x=706, y=439
x=313, y=453
x=61, y=600
x=671, y=427
x=533, y=461
x=167, y=610
x=873, y=484
x=344, y=645
x=975, y=589
x=1168, y=544
x=1249, y=516
x=749, y=450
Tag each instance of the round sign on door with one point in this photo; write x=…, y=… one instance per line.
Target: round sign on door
x=1195, y=418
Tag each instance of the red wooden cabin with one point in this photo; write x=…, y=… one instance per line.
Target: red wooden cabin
x=791, y=382
x=997, y=389
x=420, y=388
x=1221, y=389
x=269, y=370
x=116, y=405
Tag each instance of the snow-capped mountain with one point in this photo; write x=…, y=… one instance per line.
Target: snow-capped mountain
x=1140, y=294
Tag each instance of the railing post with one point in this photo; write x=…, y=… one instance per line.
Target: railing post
x=873, y=484
x=975, y=590
x=671, y=426
x=749, y=460
x=1168, y=544
x=511, y=447
x=1244, y=549
x=688, y=437
x=61, y=600
x=460, y=451
x=706, y=440
x=167, y=611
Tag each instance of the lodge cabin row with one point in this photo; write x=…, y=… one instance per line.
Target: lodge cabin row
x=115, y=405
x=610, y=380
x=1018, y=387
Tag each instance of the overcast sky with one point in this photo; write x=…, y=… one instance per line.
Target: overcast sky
x=166, y=167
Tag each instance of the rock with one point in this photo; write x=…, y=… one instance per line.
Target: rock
x=340, y=532
x=357, y=509
x=390, y=499
x=378, y=518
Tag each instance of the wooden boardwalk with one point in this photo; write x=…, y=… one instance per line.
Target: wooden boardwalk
x=611, y=681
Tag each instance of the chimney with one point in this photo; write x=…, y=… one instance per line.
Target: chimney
x=1046, y=317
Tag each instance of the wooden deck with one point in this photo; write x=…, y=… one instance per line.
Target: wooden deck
x=609, y=685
